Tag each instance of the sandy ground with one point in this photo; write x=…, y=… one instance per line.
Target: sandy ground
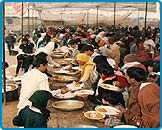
x=9, y=110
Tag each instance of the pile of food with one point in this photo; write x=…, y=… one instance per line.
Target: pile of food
x=65, y=96
x=94, y=115
x=66, y=79
x=109, y=87
x=107, y=110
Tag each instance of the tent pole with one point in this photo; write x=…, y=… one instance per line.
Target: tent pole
x=145, y=17
x=97, y=17
x=138, y=17
x=114, y=13
x=33, y=19
x=28, y=19
x=3, y=49
x=22, y=18
x=87, y=16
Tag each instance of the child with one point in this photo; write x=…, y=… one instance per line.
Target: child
x=37, y=115
x=107, y=76
x=112, y=99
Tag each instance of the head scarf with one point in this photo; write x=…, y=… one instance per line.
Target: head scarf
x=83, y=57
x=39, y=100
x=48, y=49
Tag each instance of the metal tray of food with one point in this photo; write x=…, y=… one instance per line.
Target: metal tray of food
x=57, y=55
x=10, y=87
x=62, y=62
x=66, y=72
x=64, y=79
x=68, y=105
x=67, y=95
x=94, y=115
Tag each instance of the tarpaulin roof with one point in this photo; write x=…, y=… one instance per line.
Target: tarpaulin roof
x=91, y=5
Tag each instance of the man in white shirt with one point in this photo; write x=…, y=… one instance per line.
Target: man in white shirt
x=48, y=49
x=34, y=80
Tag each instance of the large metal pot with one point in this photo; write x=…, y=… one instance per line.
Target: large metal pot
x=68, y=105
x=11, y=92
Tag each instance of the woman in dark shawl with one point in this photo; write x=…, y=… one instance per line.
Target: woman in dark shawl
x=37, y=115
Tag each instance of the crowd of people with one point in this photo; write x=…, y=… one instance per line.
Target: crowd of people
x=126, y=57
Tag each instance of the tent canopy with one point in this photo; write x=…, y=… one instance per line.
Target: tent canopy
x=107, y=6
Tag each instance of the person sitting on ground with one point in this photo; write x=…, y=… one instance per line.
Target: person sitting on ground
x=112, y=99
x=34, y=80
x=144, y=102
x=42, y=55
x=48, y=49
x=107, y=76
x=89, y=50
x=149, y=44
x=141, y=53
x=86, y=67
x=153, y=70
x=130, y=60
x=74, y=44
x=35, y=116
x=152, y=66
x=114, y=51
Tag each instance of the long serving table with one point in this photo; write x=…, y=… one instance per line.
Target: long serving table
x=71, y=119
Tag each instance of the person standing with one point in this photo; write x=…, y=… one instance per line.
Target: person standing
x=10, y=40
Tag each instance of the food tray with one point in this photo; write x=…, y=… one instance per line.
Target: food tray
x=64, y=79
x=109, y=87
x=67, y=95
x=94, y=115
x=68, y=105
x=10, y=87
x=107, y=110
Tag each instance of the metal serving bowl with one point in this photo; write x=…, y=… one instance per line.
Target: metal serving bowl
x=11, y=92
x=68, y=105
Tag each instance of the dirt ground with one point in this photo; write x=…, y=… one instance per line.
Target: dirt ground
x=9, y=110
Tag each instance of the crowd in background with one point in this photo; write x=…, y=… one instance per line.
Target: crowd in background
x=126, y=57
